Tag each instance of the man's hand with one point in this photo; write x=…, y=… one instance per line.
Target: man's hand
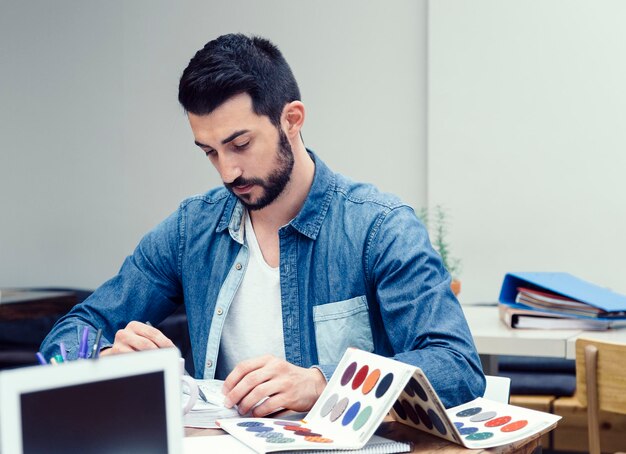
x=137, y=336
x=285, y=385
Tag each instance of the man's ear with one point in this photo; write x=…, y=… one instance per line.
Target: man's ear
x=293, y=118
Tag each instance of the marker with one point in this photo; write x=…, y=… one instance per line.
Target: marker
x=57, y=358
x=63, y=350
x=41, y=359
x=83, y=346
x=53, y=361
x=95, y=351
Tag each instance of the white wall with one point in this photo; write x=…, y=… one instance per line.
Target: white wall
x=527, y=137
x=94, y=149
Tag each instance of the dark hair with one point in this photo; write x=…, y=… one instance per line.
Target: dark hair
x=234, y=64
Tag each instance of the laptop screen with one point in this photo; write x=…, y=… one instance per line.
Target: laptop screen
x=110, y=416
x=128, y=403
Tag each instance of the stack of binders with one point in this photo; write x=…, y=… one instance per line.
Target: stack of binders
x=558, y=301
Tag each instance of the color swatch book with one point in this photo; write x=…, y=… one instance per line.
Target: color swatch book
x=363, y=390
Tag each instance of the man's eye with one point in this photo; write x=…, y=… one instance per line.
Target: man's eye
x=208, y=152
x=241, y=146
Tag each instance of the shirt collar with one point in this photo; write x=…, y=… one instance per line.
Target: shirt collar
x=311, y=216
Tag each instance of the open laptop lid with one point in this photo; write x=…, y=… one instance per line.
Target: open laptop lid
x=128, y=403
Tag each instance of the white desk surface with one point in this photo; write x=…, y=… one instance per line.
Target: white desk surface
x=492, y=337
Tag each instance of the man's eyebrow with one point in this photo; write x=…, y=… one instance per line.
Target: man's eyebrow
x=201, y=145
x=230, y=138
x=234, y=135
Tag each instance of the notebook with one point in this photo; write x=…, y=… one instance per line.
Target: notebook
x=228, y=443
x=115, y=404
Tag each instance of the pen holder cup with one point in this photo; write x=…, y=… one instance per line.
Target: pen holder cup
x=189, y=387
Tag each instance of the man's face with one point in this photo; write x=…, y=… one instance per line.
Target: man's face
x=253, y=157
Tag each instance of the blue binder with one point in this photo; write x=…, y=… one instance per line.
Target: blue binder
x=567, y=285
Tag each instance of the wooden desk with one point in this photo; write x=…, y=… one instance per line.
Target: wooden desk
x=422, y=442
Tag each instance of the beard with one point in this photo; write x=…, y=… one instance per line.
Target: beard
x=275, y=183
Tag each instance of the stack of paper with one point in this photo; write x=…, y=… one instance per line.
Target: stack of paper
x=203, y=414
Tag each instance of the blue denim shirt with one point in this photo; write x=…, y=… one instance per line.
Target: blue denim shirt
x=356, y=269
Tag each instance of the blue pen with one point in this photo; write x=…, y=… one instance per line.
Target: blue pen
x=63, y=350
x=83, y=346
x=41, y=359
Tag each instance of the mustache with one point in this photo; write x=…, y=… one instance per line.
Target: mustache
x=240, y=181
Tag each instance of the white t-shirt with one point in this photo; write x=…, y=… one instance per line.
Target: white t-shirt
x=254, y=322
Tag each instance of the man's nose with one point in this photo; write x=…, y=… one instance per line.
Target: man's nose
x=229, y=170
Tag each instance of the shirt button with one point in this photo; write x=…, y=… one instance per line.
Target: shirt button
x=238, y=266
x=219, y=311
x=209, y=363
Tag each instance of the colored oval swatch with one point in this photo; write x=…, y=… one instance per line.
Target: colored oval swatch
x=479, y=436
x=329, y=404
x=371, y=381
x=362, y=418
x=515, y=425
x=419, y=390
x=469, y=412
x=286, y=423
x=408, y=408
x=259, y=429
x=250, y=424
x=360, y=377
x=318, y=439
x=351, y=413
x=437, y=422
x=304, y=433
x=338, y=409
x=384, y=385
x=484, y=416
x=498, y=421
x=269, y=435
x=280, y=440
x=468, y=430
x=424, y=417
x=348, y=374
x=397, y=406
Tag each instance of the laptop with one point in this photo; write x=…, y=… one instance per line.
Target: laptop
x=129, y=403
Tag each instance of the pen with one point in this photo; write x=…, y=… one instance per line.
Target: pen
x=63, y=351
x=83, y=347
x=95, y=351
x=53, y=361
x=41, y=359
x=57, y=358
x=200, y=393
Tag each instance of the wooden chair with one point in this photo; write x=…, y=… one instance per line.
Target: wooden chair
x=600, y=382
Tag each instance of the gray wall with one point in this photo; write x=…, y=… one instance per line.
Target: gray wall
x=527, y=137
x=525, y=130
x=94, y=149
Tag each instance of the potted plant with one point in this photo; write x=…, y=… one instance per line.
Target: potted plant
x=436, y=223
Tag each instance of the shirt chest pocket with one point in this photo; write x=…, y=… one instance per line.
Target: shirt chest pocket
x=341, y=325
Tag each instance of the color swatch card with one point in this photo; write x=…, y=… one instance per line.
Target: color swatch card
x=363, y=390
x=484, y=423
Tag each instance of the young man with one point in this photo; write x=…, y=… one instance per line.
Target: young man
x=285, y=267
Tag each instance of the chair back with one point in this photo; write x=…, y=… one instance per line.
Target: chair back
x=600, y=382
